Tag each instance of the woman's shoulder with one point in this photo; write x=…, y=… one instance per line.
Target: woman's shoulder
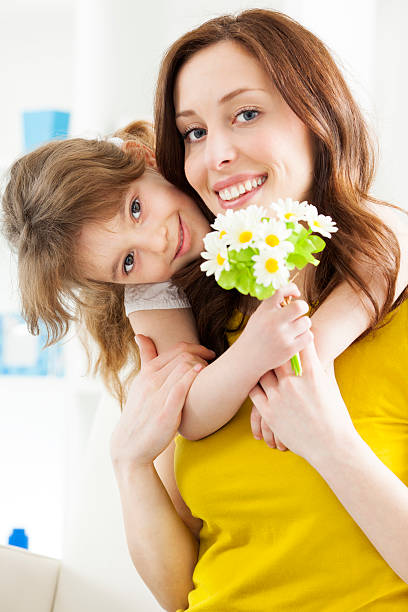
x=396, y=219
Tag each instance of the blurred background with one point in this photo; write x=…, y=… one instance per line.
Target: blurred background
x=98, y=60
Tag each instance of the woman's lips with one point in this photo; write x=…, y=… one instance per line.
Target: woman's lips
x=185, y=240
x=240, y=200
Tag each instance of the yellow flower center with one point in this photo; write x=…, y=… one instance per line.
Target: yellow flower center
x=289, y=215
x=272, y=240
x=271, y=265
x=222, y=234
x=245, y=237
x=316, y=224
x=220, y=260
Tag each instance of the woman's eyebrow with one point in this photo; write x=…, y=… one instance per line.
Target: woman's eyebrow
x=226, y=98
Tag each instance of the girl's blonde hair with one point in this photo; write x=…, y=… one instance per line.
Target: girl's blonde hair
x=52, y=192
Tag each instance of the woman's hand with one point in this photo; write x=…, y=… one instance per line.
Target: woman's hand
x=152, y=413
x=261, y=431
x=307, y=412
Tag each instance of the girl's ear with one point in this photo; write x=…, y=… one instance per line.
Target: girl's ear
x=139, y=150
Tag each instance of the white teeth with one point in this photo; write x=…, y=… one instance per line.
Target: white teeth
x=240, y=188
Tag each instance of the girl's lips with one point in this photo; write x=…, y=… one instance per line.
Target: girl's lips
x=240, y=200
x=185, y=238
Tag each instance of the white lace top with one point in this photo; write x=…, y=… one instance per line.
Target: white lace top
x=154, y=296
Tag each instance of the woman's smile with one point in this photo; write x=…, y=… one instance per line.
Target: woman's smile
x=238, y=189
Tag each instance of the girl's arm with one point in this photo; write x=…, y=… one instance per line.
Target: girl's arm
x=272, y=335
x=161, y=532
x=343, y=316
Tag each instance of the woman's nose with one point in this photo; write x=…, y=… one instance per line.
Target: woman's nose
x=220, y=150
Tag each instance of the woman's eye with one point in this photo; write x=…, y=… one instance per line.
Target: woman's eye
x=129, y=262
x=136, y=208
x=194, y=135
x=247, y=115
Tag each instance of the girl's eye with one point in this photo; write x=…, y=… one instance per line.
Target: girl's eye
x=129, y=263
x=247, y=115
x=136, y=208
x=194, y=135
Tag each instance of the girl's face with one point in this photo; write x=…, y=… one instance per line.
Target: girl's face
x=243, y=143
x=155, y=233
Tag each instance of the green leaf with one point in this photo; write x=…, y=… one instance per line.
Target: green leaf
x=245, y=255
x=298, y=260
x=317, y=243
x=261, y=292
x=228, y=279
x=243, y=281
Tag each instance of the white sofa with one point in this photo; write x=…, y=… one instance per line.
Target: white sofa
x=96, y=573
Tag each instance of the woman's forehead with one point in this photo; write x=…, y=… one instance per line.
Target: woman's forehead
x=215, y=72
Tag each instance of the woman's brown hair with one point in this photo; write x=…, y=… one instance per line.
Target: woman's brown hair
x=51, y=193
x=309, y=81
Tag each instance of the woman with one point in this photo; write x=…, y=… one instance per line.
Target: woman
x=272, y=535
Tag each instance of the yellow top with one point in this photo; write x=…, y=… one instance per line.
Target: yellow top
x=274, y=536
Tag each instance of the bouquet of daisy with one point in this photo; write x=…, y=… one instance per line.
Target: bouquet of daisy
x=255, y=249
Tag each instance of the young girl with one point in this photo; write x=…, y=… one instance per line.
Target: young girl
x=88, y=218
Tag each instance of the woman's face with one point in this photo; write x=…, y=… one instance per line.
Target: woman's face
x=155, y=233
x=243, y=143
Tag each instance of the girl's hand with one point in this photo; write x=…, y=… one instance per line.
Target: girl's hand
x=274, y=333
x=152, y=413
x=261, y=431
x=306, y=412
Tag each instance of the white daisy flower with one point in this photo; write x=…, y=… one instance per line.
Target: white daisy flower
x=222, y=219
x=214, y=239
x=242, y=227
x=216, y=255
x=320, y=223
x=272, y=234
x=270, y=269
x=290, y=210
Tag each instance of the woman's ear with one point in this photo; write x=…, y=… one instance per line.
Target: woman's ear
x=139, y=150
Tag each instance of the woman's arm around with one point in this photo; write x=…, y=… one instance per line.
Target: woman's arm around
x=309, y=416
x=162, y=541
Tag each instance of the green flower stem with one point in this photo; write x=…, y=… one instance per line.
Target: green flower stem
x=296, y=365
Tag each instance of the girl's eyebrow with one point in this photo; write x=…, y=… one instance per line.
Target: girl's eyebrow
x=226, y=98
x=122, y=214
x=114, y=270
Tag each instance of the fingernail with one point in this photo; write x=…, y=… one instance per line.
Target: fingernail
x=198, y=367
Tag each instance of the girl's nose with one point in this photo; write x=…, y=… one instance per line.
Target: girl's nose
x=219, y=150
x=156, y=240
